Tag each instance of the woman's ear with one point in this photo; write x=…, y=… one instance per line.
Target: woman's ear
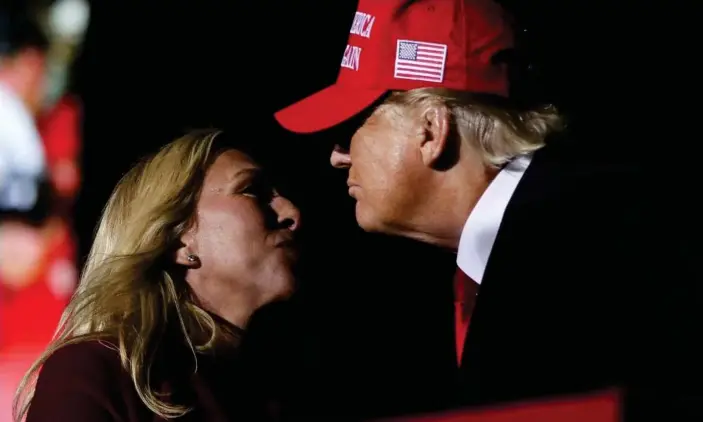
x=186, y=258
x=186, y=254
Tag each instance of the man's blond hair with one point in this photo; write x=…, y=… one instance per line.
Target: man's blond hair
x=499, y=133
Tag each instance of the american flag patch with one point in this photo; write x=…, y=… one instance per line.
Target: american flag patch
x=421, y=61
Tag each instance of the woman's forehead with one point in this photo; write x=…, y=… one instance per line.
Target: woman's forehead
x=229, y=166
x=233, y=161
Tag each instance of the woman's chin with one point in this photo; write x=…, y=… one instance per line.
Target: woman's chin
x=283, y=287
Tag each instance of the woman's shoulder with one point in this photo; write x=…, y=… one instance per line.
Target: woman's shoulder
x=83, y=381
x=91, y=365
x=83, y=358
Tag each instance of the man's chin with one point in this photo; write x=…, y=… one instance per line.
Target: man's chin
x=366, y=221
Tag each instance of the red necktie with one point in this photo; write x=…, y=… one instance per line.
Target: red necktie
x=465, y=290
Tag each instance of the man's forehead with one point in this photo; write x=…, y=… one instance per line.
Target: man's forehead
x=343, y=133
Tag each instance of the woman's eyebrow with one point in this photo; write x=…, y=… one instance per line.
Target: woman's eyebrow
x=245, y=175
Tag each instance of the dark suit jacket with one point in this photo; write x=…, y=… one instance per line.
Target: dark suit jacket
x=589, y=285
x=86, y=382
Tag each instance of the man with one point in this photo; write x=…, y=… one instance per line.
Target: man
x=568, y=270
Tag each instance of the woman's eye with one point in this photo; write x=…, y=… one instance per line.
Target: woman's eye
x=249, y=191
x=259, y=190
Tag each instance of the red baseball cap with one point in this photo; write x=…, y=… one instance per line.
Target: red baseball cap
x=432, y=43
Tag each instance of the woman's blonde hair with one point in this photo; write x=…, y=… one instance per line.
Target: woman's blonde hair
x=498, y=132
x=127, y=291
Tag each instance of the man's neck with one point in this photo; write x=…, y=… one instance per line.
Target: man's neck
x=450, y=203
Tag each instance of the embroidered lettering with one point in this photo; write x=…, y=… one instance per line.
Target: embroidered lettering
x=352, y=55
x=362, y=25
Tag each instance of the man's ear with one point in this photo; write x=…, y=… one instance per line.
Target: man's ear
x=436, y=123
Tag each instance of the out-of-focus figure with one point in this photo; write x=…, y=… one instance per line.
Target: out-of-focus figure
x=38, y=271
x=37, y=249
x=23, y=52
x=40, y=146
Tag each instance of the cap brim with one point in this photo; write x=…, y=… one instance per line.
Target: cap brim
x=327, y=108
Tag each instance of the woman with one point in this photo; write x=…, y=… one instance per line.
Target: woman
x=192, y=241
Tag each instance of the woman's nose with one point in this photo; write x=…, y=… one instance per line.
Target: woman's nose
x=288, y=214
x=340, y=158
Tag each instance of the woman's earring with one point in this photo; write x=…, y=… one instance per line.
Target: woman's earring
x=192, y=258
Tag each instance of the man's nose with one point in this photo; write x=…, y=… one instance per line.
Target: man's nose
x=340, y=158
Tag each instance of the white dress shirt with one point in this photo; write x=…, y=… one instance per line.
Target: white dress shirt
x=481, y=228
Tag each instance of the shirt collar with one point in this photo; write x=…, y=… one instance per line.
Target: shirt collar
x=481, y=227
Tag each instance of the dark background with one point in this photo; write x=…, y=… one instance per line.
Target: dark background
x=374, y=307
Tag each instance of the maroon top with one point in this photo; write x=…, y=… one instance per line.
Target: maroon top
x=86, y=382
